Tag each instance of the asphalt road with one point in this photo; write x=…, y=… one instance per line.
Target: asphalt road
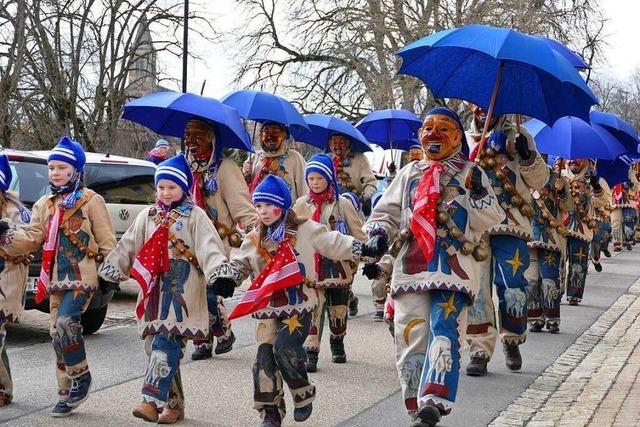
x=364, y=392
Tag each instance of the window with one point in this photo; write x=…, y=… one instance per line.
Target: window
x=121, y=183
x=30, y=180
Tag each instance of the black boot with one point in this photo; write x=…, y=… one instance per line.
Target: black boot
x=225, y=345
x=535, y=327
x=477, y=366
x=337, y=350
x=597, y=266
x=301, y=414
x=553, y=328
x=312, y=361
x=271, y=417
x=353, y=306
x=428, y=416
x=202, y=351
x=606, y=252
x=512, y=356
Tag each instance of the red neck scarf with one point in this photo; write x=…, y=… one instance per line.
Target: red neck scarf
x=423, y=223
x=319, y=200
x=48, y=254
x=197, y=189
x=263, y=171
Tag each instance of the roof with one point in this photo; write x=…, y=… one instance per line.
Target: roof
x=100, y=158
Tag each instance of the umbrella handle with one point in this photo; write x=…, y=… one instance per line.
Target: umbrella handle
x=492, y=104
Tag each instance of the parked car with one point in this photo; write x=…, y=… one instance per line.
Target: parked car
x=127, y=187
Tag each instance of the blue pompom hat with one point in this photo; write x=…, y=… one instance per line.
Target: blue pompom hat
x=273, y=190
x=176, y=169
x=5, y=173
x=322, y=164
x=161, y=143
x=354, y=199
x=69, y=151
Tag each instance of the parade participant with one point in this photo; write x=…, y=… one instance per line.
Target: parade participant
x=276, y=158
x=624, y=216
x=514, y=168
x=171, y=250
x=283, y=242
x=546, y=253
x=160, y=152
x=355, y=175
x=602, y=234
x=587, y=194
x=438, y=208
x=635, y=166
x=334, y=278
x=218, y=188
x=13, y=276
x=380, y=274
x=73, y=228
x=415, y=153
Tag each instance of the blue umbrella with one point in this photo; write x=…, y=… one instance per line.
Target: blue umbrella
x=323, y=126
x=265, y=107
x=167, y=113
x=615, y=171
x=573, y=138
x=573, y=57
x=501, y=70
x=387, y=128
x=621, y=129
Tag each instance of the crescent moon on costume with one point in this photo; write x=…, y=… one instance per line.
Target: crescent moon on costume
x=412, y=324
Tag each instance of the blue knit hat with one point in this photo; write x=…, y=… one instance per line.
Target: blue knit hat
x=69, y=151
x=322, y=164
x=454, y=116
x=376, y=198
x=354, y=199
x=175, y=169
x=5, y=173
x=273, y=190
x=161, y=143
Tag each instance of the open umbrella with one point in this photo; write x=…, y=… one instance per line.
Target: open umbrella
x=387, y=128
x=265, y=107
x=501, y=70
x=167, y=113
x=621, y=129
x=573, y=138
x=323, y=126
x=616, y=171
x=573, y=57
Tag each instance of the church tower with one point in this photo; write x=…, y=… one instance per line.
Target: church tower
x=142, y=74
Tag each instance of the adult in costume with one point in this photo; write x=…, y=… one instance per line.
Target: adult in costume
x=624, y=215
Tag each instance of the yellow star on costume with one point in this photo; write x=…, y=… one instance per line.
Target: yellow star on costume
x=550, y=258
x=448, y=307
x=292, y=323
x=515, y=262
x=580, y=255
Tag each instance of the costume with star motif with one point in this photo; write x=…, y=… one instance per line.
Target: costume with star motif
x=624, y=214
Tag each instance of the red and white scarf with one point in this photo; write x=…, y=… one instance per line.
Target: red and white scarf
x=423, y=224
x=319, y=200
x=48, y=255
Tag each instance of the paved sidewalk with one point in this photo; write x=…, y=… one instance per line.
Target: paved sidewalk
x=595, y=382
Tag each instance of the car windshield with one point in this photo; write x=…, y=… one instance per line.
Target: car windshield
x=117, y=183
x=30, y=180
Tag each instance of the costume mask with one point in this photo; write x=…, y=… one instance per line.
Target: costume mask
x=339, y=145
x=480, y=118
x=415, y=154
x=440, y=137
x=272, y=136
x=199, y=140
x=578, y=165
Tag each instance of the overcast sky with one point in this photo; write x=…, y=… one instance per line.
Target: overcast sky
x=622, y=53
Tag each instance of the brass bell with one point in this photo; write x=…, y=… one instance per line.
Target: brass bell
x=508, y=187
x=491, y=152
x=483, y=164
x=405, y=234
x=174, y=241
x=99, y=258
x=220, y=231
x=562, y=230
x=553, y=223
x=500, y=174
x=593, y=224
x=516, y=200
x=83, y=250
x=190, y=259
x=456, y=233
x=480, y=253
x=467, y=248
x=91, y=255
x=67, y=233
x=443, y=217
x=235, y=240
x=491, y=162
x=182, y=250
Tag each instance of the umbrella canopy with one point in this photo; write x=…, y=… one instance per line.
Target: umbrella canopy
x=265, y=107
x=323, y=126
x=573, y=138
x=388, y=128
x=615, y=171
x=621, y=129
x=501, y=70
x=573, y=57
x=167, y=113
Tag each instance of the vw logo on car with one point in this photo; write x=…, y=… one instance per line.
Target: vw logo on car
x=123, y=214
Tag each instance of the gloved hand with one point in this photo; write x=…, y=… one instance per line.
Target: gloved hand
x=595, y=183
x=366, y=207
x=522, y=147
x=371, y=271
x=375, y=246
x=4, y=226
x=223, y=287
x=475, y=182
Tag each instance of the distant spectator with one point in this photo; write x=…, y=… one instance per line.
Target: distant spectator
x=160, y=152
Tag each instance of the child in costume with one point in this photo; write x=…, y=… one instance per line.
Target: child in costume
x=73, y=228
x=13, y=276
x=324, y=205
x=171, y=250
x=438, y=208
x=280, y=253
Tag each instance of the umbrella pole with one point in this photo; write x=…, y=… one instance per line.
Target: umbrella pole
x=492, y=104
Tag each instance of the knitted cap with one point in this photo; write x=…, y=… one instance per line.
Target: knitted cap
x=273, y=190
x=175, y=169
x=69, y=151
x=322, y=164
x=354, y=199
x=162, y=143
x=5, y=173
x=375, y=199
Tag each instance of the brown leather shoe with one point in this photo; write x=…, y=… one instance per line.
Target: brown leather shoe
x=146, y=411
x=5, y=399
x=171, y=416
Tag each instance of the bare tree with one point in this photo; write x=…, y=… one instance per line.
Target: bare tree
x=620, y=97
x=337, y=56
